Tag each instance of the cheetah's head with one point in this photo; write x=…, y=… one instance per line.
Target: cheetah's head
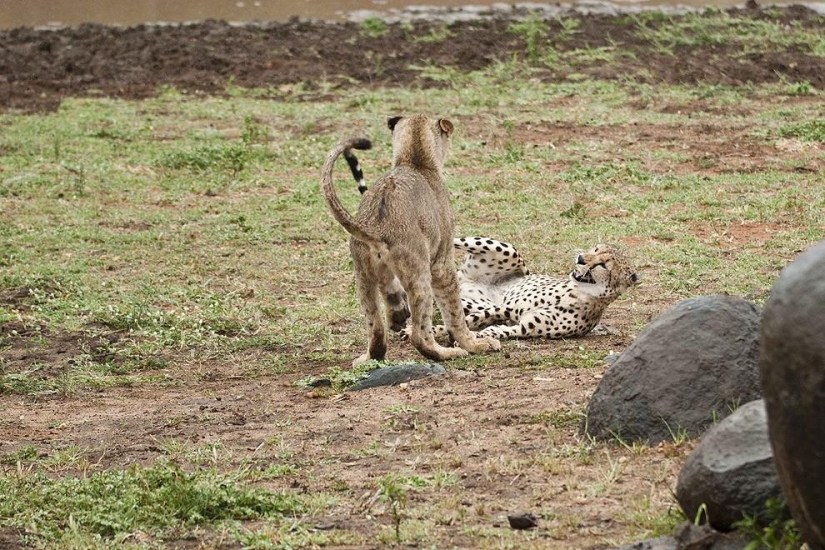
x=604, y=271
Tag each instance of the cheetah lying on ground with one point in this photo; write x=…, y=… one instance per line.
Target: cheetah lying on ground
x=500, y=296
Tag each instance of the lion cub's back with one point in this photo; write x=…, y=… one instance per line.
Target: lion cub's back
x=403, y=202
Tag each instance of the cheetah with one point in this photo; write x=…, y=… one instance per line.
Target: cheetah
x=503, y=300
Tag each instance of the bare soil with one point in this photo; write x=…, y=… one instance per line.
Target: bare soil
x=509, y=434
x=39, y=67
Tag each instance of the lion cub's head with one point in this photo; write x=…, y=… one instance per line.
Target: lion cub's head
x=420, y=142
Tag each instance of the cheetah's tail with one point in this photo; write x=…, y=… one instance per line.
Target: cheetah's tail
x=355, y=166
x=333, y=202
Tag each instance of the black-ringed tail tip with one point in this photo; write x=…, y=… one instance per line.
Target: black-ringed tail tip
x=354, y=166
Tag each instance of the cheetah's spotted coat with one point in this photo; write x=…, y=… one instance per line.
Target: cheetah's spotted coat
x=500, y=296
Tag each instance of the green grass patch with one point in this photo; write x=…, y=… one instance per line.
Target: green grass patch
x=721, y=28
x=534, y=33
x=812, y=130
x=221, y=260
x=558, y=419
x=295, y=535
x=773, y=528
x=436, y=34
x=650, y=521
x=374, y=27
x=23, y=455
x=114, y=504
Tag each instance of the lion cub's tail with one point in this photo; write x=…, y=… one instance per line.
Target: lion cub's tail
x=338, y=211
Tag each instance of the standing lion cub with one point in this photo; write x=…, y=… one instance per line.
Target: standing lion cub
x=401, y=240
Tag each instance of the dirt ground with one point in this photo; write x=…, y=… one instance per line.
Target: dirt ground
x=214, y=403
x=510, y=437
x=38, y=68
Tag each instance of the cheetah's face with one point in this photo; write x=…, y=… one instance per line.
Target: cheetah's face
x=604, y=267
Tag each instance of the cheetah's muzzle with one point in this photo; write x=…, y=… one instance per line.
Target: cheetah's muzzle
x=587, y=278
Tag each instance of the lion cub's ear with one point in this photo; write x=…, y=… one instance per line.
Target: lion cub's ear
x=446, y=126
x=392, y=121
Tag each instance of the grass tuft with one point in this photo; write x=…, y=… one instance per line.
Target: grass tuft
x=533, y=31
x=374, y=27
x=812, y=130
x=773, y=530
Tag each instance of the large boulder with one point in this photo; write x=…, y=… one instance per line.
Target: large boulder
x=730, y=471
x=690, y=367
x=792, y=364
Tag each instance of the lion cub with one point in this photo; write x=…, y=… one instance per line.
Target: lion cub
x=401, y=239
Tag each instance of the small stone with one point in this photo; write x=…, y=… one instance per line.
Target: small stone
x=523, y=521
x=395, y=375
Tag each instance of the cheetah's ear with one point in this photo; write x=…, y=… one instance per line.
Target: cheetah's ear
x=634, y=278
x=392, y=121
x=446, y=126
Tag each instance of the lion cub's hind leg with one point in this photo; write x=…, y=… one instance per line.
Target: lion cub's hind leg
x=445, y=287
x=398, y=311
x=412, y=270
x=369, y=273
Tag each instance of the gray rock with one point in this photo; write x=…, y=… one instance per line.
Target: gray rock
x=731, y=470
x=692, y=365
x=397, y=374
x=793, y=378
x=523, y=521
x=692, y=537
x=659, y=543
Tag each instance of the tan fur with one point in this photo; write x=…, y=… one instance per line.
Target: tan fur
x=403, y=233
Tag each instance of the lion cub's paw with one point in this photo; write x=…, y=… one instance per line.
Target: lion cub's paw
x=483, y=343
x=492, y=343
x=451, y=353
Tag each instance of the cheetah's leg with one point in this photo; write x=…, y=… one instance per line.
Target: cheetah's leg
x=484, y=315
x=478, y=313
x=536, y=323
x=489, y=259
x=479, y=310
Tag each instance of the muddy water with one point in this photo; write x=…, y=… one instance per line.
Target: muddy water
x=15, y=13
